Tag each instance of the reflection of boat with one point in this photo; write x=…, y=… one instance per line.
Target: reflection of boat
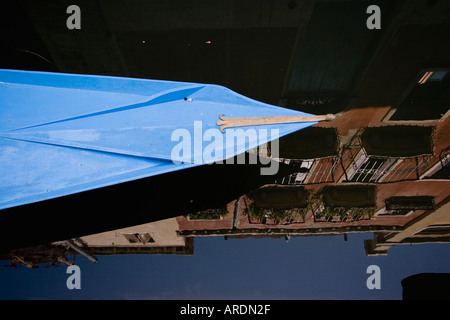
x=62, y=134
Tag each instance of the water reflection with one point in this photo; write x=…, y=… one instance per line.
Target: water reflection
x=395, y=192
x=381, y=168
x=366, y=184
x=408, y=212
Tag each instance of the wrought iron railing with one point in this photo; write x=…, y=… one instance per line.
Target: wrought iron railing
x=311, y=171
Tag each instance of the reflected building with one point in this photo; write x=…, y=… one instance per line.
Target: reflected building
x=358, y=173
x=426, y=286
x=393, y=213
x=159, y=237
x=381, y=167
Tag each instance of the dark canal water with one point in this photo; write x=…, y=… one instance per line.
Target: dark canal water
x=358, y=208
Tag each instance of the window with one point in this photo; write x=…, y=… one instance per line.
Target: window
x=428, y=99
x=371, y=170
x=385, y=212
x=441, y=170
x=143, y=238
x=432, y=76
x=402, y=203
x=436, y=230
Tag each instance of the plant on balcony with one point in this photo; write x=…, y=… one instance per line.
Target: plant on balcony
x=275, y=216
x=329, y=212
x=209, y=214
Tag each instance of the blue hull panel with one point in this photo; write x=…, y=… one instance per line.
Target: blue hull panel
x=62, y=133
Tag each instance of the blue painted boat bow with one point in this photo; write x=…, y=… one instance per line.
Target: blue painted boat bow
x=64, y=133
